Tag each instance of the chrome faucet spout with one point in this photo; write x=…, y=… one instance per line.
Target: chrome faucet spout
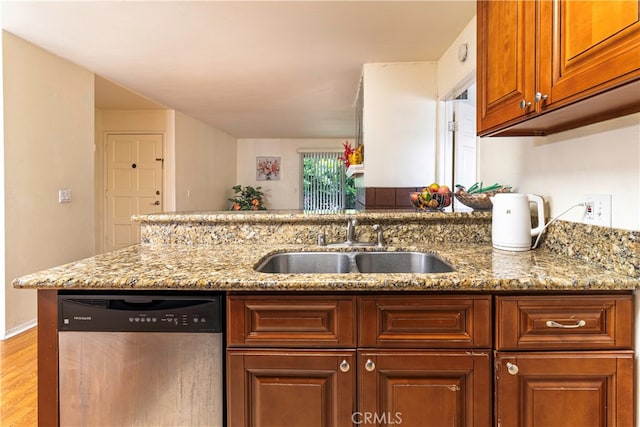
x=351, y=230
x=380, y=238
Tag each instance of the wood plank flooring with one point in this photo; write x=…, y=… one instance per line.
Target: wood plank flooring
x=19, y=380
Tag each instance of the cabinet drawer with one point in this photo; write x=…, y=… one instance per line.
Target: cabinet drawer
x=291, y=321
x=425, y=321
x=564, y=322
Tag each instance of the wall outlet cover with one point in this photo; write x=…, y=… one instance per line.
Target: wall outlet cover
x=598, y=209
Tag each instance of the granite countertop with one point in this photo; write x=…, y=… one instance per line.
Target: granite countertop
x=479, y=267
x=293, y=215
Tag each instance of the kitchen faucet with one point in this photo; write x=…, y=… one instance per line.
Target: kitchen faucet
x=351, y=229
x=351, y=239
x=380, y=238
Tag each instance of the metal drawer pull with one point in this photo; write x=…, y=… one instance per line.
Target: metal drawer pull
x=369, y=366
x=344, y=366
x=552, y=324
x=512, y=368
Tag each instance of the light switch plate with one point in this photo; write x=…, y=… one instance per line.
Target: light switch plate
x=64, y=196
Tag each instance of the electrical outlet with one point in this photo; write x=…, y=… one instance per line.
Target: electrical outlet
x=598, y=209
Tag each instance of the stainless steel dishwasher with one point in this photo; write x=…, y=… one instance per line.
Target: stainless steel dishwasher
x=140, y=360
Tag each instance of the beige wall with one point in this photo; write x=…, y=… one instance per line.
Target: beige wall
x=399, y=124
x=285, y=193
x=48, y=142
x=205, y=165
x=603, y=158
x=131, y=121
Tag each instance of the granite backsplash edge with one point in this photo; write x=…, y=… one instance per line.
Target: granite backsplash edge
x=613, y=249
x=616, y=250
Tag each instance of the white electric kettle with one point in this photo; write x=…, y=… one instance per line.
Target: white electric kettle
x=511, y=222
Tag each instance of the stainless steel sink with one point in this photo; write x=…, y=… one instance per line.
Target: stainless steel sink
x=400, y=262
x=306, y=262
x=353, y=262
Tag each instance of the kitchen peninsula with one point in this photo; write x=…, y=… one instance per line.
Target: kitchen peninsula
x=375, y=342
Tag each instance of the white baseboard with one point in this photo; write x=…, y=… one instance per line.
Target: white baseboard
x=19, y=329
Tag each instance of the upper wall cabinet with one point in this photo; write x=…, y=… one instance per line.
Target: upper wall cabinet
x=550, y=65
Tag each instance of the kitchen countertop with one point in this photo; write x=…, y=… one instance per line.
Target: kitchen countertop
x=479, y=267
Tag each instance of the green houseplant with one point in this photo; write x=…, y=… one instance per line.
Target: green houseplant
x=247, y=199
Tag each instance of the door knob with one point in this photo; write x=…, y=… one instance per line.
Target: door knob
x=344, y=366
x=512, y=368
x=156, y=203
x=524, y=104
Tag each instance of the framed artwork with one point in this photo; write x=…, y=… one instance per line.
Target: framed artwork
x=267, y=168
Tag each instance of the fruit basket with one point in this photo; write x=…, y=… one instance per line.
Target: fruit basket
x=480, y=201
x=431, y=200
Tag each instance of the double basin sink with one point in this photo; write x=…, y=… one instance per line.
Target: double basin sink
x=353, y=262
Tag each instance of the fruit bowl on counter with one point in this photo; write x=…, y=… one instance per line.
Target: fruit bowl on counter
x=432, y=198
x=477, y=197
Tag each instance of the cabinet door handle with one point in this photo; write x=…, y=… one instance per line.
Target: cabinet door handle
x=540, y=97
x=512, y=368
x=553, y=324
x=524, y=104
x=369, y=366
x=344, y=366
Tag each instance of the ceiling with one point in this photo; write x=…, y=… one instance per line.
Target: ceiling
x=254, y=69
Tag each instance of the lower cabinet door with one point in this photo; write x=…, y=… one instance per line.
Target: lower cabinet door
x=424, y=388
x=277, y=388
x=564, y=389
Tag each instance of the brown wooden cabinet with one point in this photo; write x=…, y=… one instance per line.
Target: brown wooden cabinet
x=564, y=389
x=550, y=65
x=419, y=321
x=291, y=360
x=409, y=387
x=400, y=359
x=290, y=388
x=506, y=61
x=592, y=385
x=309, y=321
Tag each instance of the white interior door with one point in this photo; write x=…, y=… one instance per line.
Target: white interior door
x=134, y=185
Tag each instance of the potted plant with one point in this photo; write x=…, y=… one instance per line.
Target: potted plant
x=247, y=199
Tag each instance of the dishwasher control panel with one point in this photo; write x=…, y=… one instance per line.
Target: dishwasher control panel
x=140, y=313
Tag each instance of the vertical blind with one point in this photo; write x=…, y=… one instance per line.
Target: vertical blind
x=323, y=179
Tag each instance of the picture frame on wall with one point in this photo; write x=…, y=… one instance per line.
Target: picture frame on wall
x=267, y=168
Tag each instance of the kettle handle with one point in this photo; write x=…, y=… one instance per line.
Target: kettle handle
x=533, y=198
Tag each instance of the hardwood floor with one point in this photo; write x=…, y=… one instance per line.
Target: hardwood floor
x=19, y=380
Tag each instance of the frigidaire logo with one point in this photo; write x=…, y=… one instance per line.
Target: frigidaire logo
x=385, y=418
x=81, y=317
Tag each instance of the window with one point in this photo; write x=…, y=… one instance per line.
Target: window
x=325, y=185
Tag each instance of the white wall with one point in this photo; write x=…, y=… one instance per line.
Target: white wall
x=455, y=76
x=205, y=165
x=602, y=158
x=48, y=142
x=399, y=124
x=285, y=193
x=132, y=121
